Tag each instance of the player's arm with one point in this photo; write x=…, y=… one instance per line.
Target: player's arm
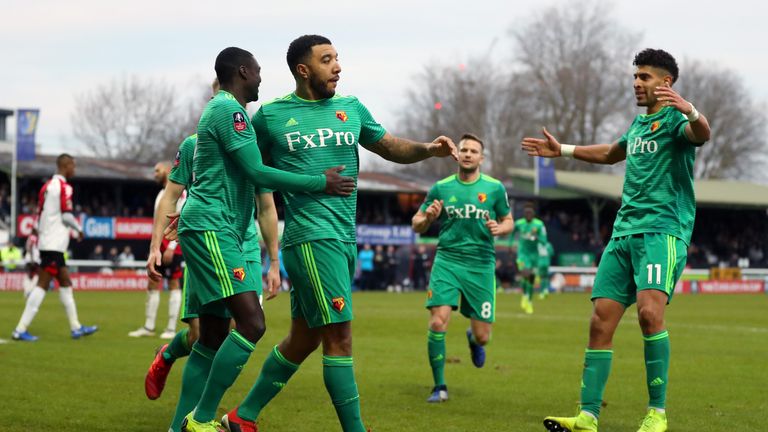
x=166, y=206
x=501, y=226
x=422, y=220
x=405, y=151
x=697, y=130
x=549, y=147
x=268, y=226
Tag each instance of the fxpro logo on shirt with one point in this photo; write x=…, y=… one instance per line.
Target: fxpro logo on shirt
x=467, y=211
x=640, y=146
x=323, y=138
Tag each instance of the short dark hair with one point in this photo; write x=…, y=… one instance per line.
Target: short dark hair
x=301, y=47
x=62, y=159
x=530, y=205
x=658, y=58
x=472, y=137
x=228, y=62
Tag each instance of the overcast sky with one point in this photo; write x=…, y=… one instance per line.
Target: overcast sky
x=51, y=51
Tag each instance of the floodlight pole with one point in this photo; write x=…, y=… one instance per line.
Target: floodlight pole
x=14, y=168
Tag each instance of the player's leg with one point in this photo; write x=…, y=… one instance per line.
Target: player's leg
x=543, y=276
x=439, y=317
x=478, y=303
x=339, y=376
x=150, y=310
x=223, y=289
x=442, y=298
x=68, y=301
x=614, y=289
x=280, y=365
x=174, y=306
x=35, y=298
x=30, y=278
x=660, y=259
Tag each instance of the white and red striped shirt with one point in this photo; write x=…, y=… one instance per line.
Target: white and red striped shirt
x=179, y=204
x=55, y=200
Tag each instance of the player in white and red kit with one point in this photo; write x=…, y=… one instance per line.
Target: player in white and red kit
x=171, y=271
x=54, y=222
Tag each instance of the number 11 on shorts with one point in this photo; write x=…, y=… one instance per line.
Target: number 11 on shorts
x=658, y=273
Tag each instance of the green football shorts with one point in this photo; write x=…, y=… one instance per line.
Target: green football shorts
x=216, y=269
x=321, y=273
x=187, y=314
x=476, y=287
x=639, y=262
x=527, y=262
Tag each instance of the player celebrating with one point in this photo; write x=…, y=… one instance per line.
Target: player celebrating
x=213, y=224
x=647, y=251
x=531, y=233
x=473, y=209
x=171, y=270
x=308, y=131
x=54, y=220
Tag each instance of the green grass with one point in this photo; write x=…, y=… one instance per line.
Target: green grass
x=718, y=374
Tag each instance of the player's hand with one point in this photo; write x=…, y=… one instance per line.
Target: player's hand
x=273, y=280
x=167, y=256
x=669, y=97
x=443, y=146
x=336, y=184
x=493, y=226
x=80, y=236
x=171, y=232
x=153, y=262
x=548, y=147
x=434, y=210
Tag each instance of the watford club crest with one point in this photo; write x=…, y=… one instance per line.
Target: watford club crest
x=655, y=126
x=342, y=115
x=429, y=294
x=239, y=273
x=338, y=303
x=238, y=121
x=482, y=197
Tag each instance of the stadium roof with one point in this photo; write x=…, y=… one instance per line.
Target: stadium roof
x=583, y=184
x=87, y=168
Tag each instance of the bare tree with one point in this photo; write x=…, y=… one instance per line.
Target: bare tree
x=737, y=128
x=134, y=118
x=577, y=61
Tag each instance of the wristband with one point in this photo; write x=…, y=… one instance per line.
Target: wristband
x=566, y=150
x=693, y=116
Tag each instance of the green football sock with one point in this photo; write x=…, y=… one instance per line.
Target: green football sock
x=339, y=377
x=657, y=368
x=597, y=367
x=436, y=351
x=227, y=364
x=275, y=373
x=192, y=382
x=528, y=289
x=178, y=347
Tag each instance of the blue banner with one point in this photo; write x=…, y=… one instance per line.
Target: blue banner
x=26, y=126
x=385, y=234
x=546, y=173
x=98, y=227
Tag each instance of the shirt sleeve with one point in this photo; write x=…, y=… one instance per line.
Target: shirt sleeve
x=433, y=194
x=622, y=142
x=232, y=127
x=677, y=122
x=501, y=206
x=66, y=198
x=263, y=139
x=370, y=130
x=181, y=172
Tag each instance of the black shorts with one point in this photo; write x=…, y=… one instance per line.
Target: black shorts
x=52, y=261
x=173, y=270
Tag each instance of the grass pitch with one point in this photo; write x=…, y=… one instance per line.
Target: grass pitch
x=718, y=375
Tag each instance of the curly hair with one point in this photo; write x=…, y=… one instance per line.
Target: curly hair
x=658, y=58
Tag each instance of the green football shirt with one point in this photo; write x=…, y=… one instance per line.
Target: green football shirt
x=658, y=193
x=181, y=173
x=309, y=137
x=530, y=235
x=466, y=208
